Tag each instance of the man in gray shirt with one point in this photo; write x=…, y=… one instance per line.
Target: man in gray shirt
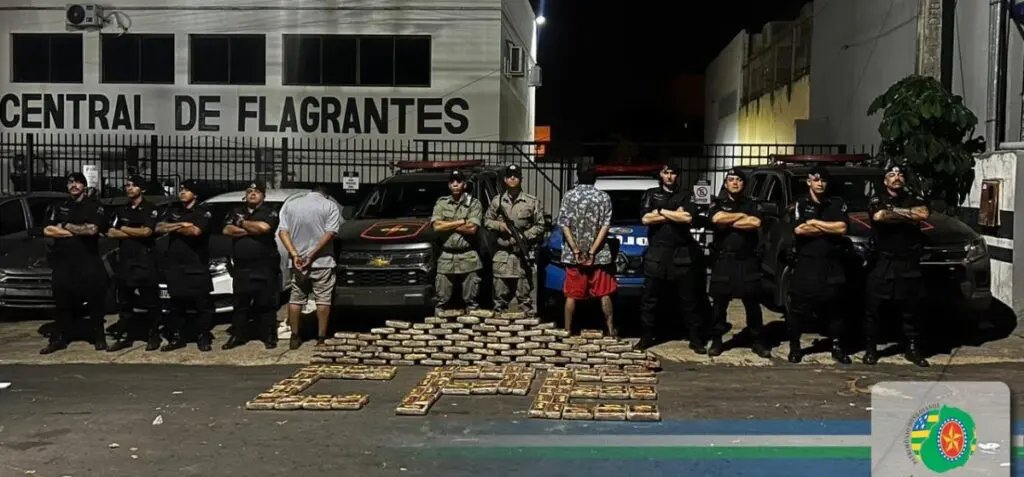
x=307, y=230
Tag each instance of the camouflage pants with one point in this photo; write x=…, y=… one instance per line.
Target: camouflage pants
x=519, y=289
x=444, y=286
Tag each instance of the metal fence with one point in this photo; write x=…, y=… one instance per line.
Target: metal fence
x=38, y=162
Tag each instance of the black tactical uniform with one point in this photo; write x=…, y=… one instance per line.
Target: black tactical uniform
x=79, y=275
x=256, y=275
x=670, y=272
x=137, y=277
x=818, y=279
x=894, y=275
x=187, y=270
x=736, y=273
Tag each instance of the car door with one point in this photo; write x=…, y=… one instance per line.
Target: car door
x=773, y=197
x=14, y=225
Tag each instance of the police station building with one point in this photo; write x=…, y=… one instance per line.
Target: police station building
x=339, y=70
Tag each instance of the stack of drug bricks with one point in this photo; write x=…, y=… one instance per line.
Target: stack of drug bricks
x=455, y=338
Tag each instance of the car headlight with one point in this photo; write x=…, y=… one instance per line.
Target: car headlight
x=218, y=266
x=419, y=258
x=976, y=250
x=3, y=275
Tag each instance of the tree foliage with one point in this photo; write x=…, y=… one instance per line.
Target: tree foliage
x=930, y=128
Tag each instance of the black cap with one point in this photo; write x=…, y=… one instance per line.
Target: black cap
x=138, y=180
x=78, y=177
x=457, y=176
x=895, y=167
x=513, y=171
x=192, y=185
x=672, y=167
x=737, y=173
x=258, y=185
x=820, y=172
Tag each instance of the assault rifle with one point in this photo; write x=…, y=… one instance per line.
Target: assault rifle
x=517, y=235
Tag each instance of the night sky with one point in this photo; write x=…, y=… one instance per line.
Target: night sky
x=611, y=69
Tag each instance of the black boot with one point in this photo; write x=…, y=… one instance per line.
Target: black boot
x=914, y=354
x=154, y=341
x=761, y=349
x=120, y=345
x=646, y=342
x=175, y=342
x=233, y=342
x=205, y=342
x=839, y=354
x=716, y=347
x=294, y=342
x=796, y=354
x=100, y=340
x=871, y=355
x=57, y=343
x=698, y=345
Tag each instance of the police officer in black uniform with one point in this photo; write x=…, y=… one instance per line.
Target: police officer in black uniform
x=894, y=273
x=736, y=272
x=670, y=274
x=818, y=277
x=187, y=267
x=256, y=268
x=134, y=228
x=79, y=275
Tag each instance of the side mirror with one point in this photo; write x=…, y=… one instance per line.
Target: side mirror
x=347, y=212
x=770, y=208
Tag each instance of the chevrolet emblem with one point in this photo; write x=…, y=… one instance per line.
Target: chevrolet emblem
x=395, y=229
x=380, y=261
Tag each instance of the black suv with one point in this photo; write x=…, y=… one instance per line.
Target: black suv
x=387, y=251
x=956, y=259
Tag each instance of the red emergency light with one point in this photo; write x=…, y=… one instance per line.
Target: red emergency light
x=627, y=169
x=817, y=158
x=438, y=165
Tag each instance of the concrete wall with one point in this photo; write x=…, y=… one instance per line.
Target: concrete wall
x=772, y=118
x=723, y=88
x=466, y=56
x=859, y=48
x=1007, y=284
x=518, y=26
x=970, y=58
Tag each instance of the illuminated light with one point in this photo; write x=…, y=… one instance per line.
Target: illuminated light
x=815, y=158
x=628, y=169
x=438, y=164
x=541, y=20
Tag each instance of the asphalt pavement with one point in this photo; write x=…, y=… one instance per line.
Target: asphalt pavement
x=156, y=420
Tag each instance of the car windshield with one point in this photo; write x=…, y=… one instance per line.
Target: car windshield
x=220, y=210
x=402, y=199
x=856, y=190
x=627, y=206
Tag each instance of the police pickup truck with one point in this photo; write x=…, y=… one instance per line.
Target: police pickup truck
x=625, y=186
x=956, y=259
x=387, y=251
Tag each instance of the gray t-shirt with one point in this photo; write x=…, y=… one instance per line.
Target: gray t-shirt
x=307, y=219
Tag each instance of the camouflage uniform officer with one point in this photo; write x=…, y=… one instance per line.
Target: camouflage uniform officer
x=457, y=219
x=513, y=273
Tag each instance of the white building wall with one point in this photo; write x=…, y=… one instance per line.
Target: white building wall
x=462, y=101
x=723, y=89
x=1007, y=284
x=859, y=48
x=518, y=26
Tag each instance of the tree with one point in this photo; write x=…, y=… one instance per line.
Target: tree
x=931, y=129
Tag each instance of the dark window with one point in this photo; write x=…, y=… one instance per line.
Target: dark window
x=46, y=58
x=855, y=190
x=775, y=193
x=12, y=218
x=137, y=59
x=348, y=60
x=39, y=207
x=627, y=206
x=228, y=59
x=402, y=199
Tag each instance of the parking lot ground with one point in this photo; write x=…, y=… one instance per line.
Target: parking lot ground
x=131, y=420
x=21, y=340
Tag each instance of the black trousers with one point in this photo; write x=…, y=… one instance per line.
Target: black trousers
x=138, y=325
x=804, y=309
x=201, y=304
x=256, y=304
x=720, y=319
x=70, y=291
x=893, y=288
x=676, y=293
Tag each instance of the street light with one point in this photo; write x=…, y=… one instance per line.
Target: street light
x=541, y=20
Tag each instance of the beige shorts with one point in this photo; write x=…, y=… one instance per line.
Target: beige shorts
x=316, y=283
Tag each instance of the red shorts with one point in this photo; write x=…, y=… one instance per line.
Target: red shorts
x=588, y=282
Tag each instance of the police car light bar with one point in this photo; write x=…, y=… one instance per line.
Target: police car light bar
x=627, y=169
x=438, y=165
x=817, y=158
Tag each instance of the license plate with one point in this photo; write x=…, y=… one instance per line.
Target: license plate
x=165, y=295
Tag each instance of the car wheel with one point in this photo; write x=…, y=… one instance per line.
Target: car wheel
x=784, y=300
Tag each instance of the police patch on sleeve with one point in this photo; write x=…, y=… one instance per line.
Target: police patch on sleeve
x=99, y=209
x=153, y=214
x=207, y=214
x=843, y=208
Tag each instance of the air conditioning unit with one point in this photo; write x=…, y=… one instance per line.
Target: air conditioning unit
x=83, y=15
x=515, y=64
x=535, y=80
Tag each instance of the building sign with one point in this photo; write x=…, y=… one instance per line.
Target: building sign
x=255, y=114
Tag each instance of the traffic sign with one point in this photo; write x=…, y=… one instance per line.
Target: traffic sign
x=702, y=193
